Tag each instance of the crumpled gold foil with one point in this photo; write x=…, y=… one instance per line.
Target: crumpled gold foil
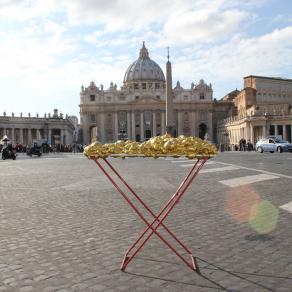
x=191, y=147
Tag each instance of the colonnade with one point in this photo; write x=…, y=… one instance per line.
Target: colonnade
x=25, y=136
x=231, y=134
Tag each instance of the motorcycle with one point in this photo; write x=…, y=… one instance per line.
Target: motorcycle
x=8, y=153
x=35, y=150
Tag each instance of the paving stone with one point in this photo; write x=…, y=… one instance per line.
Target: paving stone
x=65, y=228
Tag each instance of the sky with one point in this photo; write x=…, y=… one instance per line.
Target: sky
x=49, y=48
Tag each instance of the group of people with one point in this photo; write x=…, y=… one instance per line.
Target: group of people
x=245, y=146
x=46, y=148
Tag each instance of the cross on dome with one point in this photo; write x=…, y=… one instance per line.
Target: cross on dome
x=144, y=52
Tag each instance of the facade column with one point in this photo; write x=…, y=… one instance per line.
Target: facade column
x=116, y=128
x=142, y=126
x=264, y=131
x=162, y=122
x=251, y=134
x=102, y=128
x=180, y=123
x=129, y=125
x=276, y=130
x=4, y=131
x=247, y=133
x=154, y=124
x=193, y=123
x=85, y=129
x=284, y=133
x=210, y=125
x=133, y=126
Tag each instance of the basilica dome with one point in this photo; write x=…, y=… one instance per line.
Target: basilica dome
x=144, y=69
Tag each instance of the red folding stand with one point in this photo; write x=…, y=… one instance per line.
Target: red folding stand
x=159, y=218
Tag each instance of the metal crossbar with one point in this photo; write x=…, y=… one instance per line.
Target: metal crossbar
x=157, y=219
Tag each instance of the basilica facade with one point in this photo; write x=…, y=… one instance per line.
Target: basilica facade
x=137, y=110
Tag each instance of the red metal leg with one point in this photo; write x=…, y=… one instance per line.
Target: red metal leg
x=126, y=258
x=167, y=209
x=145, y=206
x=170, y=205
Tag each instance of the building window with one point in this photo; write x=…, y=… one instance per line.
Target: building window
x=185, y=97
x=202, y=116
x=157, y=85
x=158, y=96
x=137, y=97
x=92, y=97
x=92, y=118
x=202, y=95
x=122, y=97
x=108, y=98
x=143, y=85
x=136, y=86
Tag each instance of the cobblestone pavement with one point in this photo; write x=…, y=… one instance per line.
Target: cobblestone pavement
x=65, y=228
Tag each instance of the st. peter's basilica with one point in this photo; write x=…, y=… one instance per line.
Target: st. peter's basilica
x=136, y=111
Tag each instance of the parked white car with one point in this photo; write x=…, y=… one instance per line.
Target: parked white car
x=272, y=145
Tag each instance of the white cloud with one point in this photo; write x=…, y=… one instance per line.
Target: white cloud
x=200, y=26
x=268, y=55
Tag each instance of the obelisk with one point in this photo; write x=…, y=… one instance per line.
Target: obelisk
x=169, y=99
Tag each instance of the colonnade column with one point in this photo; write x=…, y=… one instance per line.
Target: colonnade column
x=13, y=135
x=129, y=125
x=284, y=133
x=29, y=138
x=61, y=136
x=141, y=126
x=21, y=136
x=276, y=130
x=162, y=122
x=154, y=124
x=133, y=126
x=50, y=137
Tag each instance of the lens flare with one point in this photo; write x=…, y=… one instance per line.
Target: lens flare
x=264, y=217
x=240, y=201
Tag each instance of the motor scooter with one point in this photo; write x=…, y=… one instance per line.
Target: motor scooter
x=35, y=150
x=8, y=153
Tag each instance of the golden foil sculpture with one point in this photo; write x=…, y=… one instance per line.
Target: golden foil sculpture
x=191, y=147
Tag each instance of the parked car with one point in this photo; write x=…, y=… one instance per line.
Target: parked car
x=272, y=145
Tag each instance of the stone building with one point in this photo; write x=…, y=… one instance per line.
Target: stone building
x=262, y=108
x=136, y=111
x=55, y=129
